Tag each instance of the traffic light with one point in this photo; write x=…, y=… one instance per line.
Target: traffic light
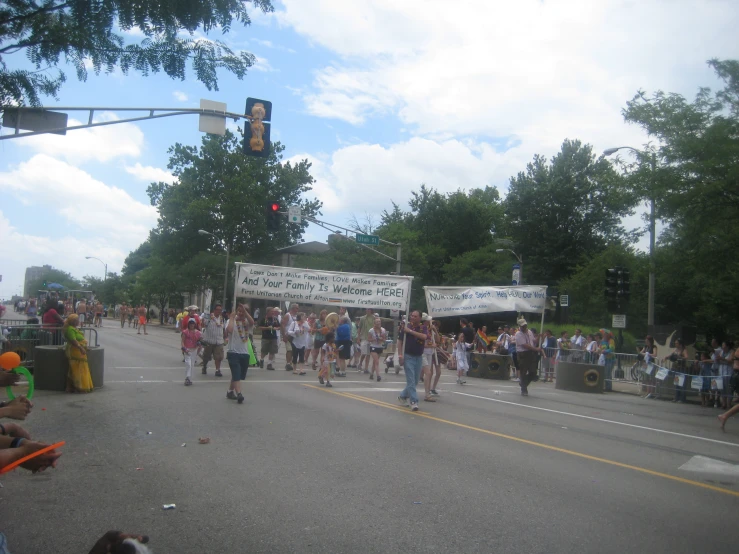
x=256, y=134
x=624, y=285
x=44, y=283
x=611, y=290
x=272, y=212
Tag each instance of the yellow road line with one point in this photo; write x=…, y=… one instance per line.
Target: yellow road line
x=425, y=415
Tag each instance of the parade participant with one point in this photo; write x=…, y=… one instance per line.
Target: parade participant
x=131, y=314
x=328, y=359
x=270, y=341
x=376, y=337
x=192, y=313
x=190, y=340
x=435, y=359
x=98, y=322
x=460, y=355
x=178, y=319
x=123, y=313
x=355, y=352
x=528, y=359
x=213, y=338
x=237, y=331
x=344, y=343
x=78, y=376
x=733, y=357
x=366, y=323
x=31, y=309
x=428, y=360
x=82, y=311
x=549, y=345
x=287, y=321
x=319, y=337
x=411, y=340
x=300, y=332
x=142, y=319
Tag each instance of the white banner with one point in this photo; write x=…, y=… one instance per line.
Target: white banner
x=310, y=286
x=662, y=374
x=461, y=301
x=696, y=383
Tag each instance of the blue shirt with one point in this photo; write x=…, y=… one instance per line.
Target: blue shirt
x=344, y=332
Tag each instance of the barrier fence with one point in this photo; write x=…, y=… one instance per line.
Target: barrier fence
x=23, y=339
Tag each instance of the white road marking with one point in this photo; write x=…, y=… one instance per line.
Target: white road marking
x=709, y=465
x=599, y=419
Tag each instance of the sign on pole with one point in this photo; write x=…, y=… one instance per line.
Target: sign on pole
x=294, y=214
x=212, y=124
x=310, y=286
x=564, y=300
x=619, y=321
x=372, y=240
x=36, y=120
x=516, y=277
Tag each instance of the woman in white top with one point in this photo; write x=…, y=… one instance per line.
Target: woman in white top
x=377, y=337
x=238, y=330
x=299, y=330
x=592, y=349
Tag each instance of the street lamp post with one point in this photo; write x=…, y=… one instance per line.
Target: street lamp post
x=225, y=275
x=102, y=262
x=652, y=226
x=520, y=262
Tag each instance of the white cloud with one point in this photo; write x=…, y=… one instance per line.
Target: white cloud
x=21, y=248
x=262, y=64
x=150, y=174
x=180, y=96
x=101, y=144
x=540, y=71
x=45, y=181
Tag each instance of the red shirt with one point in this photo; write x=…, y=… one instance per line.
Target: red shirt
x=187, y=318
x=50, y=318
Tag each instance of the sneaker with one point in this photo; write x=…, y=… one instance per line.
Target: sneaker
x=433, y=392
x=379, y=378
x=414, y=407
x=205, y=371
x=270, y=368
x=372, y=377
x=403, y=401
x=231, y=395
x=288, y=367
x=218, y=373
x=240, y=398
x=328, y=384
x=524, y=392
x=366, y=371
x=320, y=380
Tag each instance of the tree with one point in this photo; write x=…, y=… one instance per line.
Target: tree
x=84, y=31
x=110, y=291
x=696, y=187
x=223, y=192
x=564, y=212
x=157, y=283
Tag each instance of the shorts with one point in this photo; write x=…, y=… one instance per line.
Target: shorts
x=374, y=350
x=142, y=320
x=318, y=344
x=364, y=347
x=214, y=351
x=298, y=355
x=270, y=346
x=239, y=364
x=82, y=318
x=99, y=314
x=345, y=349
x=427, y=359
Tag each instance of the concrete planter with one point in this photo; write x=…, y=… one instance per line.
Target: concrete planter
x=51, y=367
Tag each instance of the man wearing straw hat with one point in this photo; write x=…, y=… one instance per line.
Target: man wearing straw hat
x=527, y=353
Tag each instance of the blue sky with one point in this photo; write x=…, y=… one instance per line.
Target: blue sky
x=381, y=96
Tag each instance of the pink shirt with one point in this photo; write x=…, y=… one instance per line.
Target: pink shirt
x=524, y=338
x=191, y=338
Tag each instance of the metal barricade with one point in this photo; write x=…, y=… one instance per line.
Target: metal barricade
x=23, y=339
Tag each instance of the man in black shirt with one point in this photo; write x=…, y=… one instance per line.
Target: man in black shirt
x=270, y=343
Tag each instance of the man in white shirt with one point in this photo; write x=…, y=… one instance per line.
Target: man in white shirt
x=577, y=343
x=213, y=339
x=527, y=351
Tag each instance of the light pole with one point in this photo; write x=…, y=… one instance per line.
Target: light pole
x=520, y=262
x=225, y=275
x=652, y=226
x=102, y=262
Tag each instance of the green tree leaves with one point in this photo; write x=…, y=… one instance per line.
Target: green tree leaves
x=84, y=31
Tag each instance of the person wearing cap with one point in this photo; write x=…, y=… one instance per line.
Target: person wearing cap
x=527, y=353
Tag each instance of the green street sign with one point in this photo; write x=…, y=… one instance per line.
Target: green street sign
x=372, y=240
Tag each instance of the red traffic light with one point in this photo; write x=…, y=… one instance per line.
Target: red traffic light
x=274, y=206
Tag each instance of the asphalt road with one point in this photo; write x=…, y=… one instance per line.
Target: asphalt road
x=300, y=468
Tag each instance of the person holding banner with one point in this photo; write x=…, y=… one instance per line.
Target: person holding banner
x=527, y=353
x=410, y=348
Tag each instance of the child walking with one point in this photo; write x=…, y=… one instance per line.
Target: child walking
x=460, y=355
x=190, y=342
x=328, y=355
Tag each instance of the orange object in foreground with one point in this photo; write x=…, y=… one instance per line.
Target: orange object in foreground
x=24, y=459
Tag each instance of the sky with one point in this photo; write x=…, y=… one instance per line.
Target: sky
x=380, y=96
